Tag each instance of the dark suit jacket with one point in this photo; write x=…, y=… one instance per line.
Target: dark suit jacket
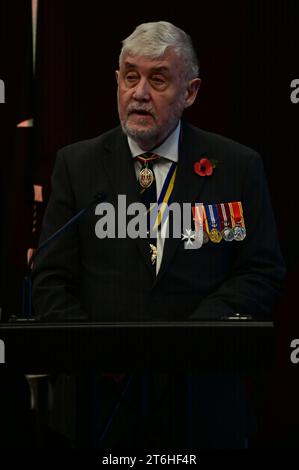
x=81, y=276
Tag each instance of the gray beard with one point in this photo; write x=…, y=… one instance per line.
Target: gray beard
x=145, y=136
x=149, y=139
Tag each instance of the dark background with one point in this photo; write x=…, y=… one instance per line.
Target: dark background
x=248, y=53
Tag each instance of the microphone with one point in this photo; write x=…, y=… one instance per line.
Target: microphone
x=96, y=199
x=27, y=283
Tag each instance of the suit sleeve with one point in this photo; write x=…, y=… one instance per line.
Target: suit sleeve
x=56, y=269
x=257, y=275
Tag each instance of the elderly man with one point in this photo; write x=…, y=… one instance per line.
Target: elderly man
x=156, y=157
x=157, y=80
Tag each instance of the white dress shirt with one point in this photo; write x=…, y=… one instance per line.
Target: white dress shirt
x=169, y=150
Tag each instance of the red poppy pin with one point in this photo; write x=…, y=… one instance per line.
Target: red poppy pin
x=205, y=167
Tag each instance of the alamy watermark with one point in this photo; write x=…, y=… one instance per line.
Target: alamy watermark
x=294, y=356
x=294, y=96
x=2, y=352
x=2, y=91
x=131, y=221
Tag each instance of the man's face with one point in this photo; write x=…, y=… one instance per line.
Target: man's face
x=152, y=94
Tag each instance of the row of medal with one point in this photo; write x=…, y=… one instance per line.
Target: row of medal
x=224, y=221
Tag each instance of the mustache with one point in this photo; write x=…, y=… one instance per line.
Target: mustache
x=140, y=108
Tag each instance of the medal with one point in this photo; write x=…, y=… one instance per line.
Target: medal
x=205, y=227
x=215, y=235
x=239, y=233
x=146, y=177
x=199, y=219
x=213, y=222
x=226, y=232
x=237, y=221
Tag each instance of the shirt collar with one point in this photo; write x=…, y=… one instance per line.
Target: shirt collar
x=169, y=149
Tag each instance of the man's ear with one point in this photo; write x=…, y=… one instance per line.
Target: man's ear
x=191, y=92
x=117, y=75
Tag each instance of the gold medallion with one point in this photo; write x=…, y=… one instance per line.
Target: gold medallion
x=215, y=236
x=146, y=177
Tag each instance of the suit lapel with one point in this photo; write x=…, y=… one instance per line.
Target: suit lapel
x=188, y=185
x=187, y=189
x=119, y=167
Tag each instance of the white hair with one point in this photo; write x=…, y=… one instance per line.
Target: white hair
x=152, y=39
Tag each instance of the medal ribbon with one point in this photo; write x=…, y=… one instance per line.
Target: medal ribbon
x=224, y=215
x=221, y=215
x=241, y=214
x=198, y=216
x=145, y=160
x=205, y=221
x=212, y=214
x=236, y=212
